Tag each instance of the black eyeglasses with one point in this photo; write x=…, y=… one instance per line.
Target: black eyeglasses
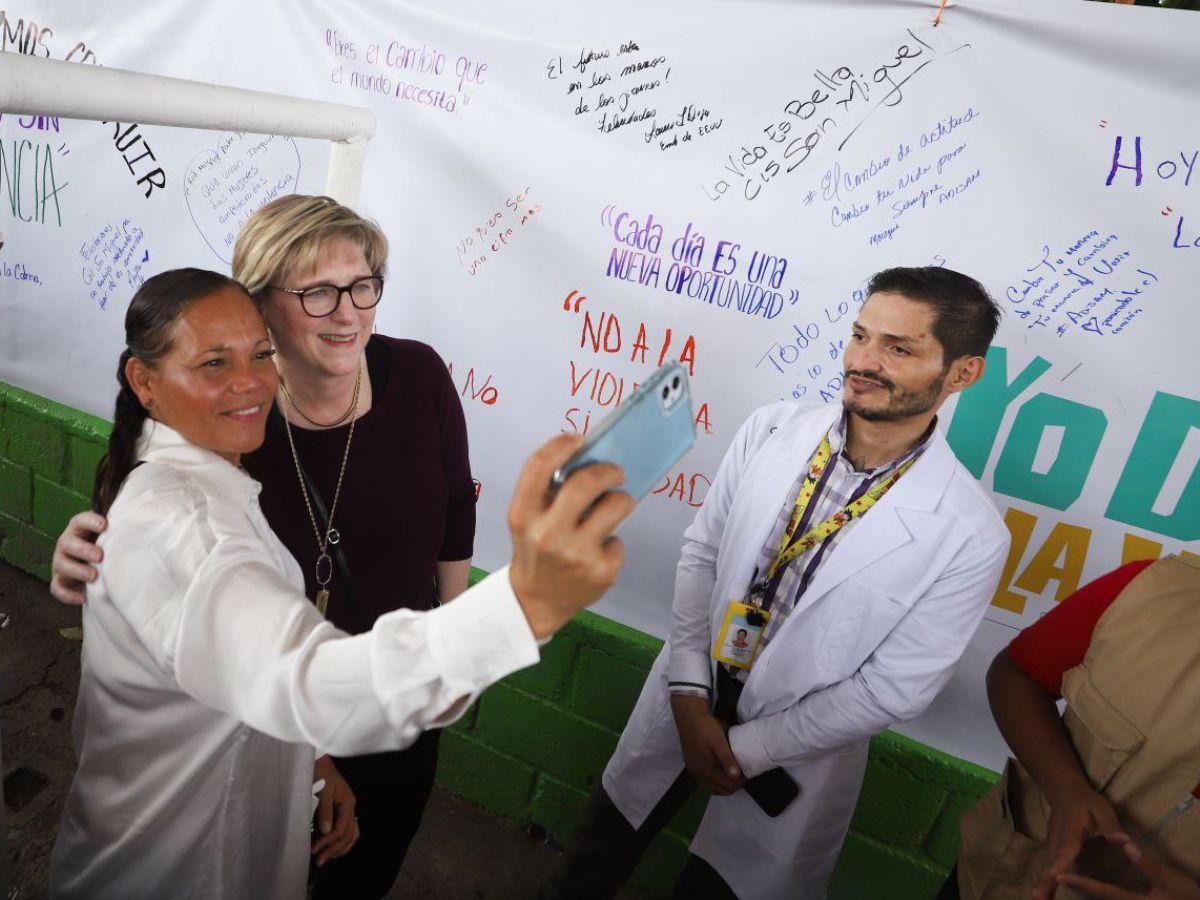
x=321, y=300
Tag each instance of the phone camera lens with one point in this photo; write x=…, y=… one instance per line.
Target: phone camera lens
x=675, y=382
x=666, y=390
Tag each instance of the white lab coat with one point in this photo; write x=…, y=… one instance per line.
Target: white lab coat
x=872, y=641
x=208, y=679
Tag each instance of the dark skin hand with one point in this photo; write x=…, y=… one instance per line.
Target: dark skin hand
x=1166, y=883
x=337, y=827
x=705, y=741
x=1028, y=718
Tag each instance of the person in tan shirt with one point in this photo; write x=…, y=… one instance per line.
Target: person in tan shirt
x=1103, y=801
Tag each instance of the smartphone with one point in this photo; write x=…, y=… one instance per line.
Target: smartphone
x=645, y=435
x=773, y=791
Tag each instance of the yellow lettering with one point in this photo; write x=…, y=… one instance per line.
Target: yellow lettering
x=1137, y=547
x=1020, y=526
x=1068, y=542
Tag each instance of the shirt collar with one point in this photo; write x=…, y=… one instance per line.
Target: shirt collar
x=837, y=444
x=164, y=445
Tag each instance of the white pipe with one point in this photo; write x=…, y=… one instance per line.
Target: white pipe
x=47, y=87
x=343, y=178
x=76, y=91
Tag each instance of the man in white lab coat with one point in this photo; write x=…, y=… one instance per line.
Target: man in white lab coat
x=859, y=556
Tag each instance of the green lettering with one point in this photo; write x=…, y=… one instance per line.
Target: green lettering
x=981, y=408
x=8, y=171
x=1167, y=424
x=1063, y=483
x=17, y=151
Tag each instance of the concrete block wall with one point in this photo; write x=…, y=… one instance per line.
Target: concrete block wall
x=534, y=745
x=48, y=457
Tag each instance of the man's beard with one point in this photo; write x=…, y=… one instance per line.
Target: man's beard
x=902, y=404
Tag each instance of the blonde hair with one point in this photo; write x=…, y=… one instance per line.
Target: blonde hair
x=287, y=236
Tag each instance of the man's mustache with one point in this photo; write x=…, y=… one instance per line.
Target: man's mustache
x=874, y=379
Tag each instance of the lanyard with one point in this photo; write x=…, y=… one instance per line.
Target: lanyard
x=791, y=545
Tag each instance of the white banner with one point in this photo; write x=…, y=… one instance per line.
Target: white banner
x=576, y=193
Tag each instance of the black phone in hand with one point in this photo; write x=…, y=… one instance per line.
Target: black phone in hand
x=773, y=791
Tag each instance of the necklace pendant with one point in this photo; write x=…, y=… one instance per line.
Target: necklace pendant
x=333, y=536
x=324, y=569
x=322, y=600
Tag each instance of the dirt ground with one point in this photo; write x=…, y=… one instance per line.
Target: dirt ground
x=39, y=674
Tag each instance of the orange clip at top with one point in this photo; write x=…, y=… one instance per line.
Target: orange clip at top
x=938, y=17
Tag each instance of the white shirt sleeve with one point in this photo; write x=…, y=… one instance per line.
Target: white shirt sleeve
x=217, y=614
x=896, y=683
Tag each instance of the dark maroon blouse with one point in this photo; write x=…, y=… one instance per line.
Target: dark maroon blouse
x=407, y=497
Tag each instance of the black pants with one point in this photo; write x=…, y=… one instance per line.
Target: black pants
x=949, y=890
x=391, y=791
x=604, y=849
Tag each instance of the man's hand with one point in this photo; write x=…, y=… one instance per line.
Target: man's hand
x=706, y=751
x=1166, y=883
x=75, y=555
x=336, y=825
x=564, y=554
x=1076, y=814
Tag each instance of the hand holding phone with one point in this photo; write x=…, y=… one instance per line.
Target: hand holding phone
x=565, y=555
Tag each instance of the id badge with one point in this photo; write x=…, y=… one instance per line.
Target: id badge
x=737, y=644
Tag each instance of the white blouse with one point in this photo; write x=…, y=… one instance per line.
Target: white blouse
x=208, y=678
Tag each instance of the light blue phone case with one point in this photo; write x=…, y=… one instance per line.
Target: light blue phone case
x=642, y=437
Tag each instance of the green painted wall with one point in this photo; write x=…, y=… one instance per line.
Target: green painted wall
x=533, y=746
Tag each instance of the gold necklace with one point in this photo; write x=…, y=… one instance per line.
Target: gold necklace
x=324, y=565
x=311, y=421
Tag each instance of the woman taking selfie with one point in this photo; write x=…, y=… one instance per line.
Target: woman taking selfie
x=207, y=676
x=365, y=478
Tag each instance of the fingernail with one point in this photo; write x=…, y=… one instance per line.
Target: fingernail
x=326, y=828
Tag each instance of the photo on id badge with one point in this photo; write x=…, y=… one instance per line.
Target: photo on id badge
x=739, y=637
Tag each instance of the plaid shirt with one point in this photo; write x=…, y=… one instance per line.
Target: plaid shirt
x=842, y=486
